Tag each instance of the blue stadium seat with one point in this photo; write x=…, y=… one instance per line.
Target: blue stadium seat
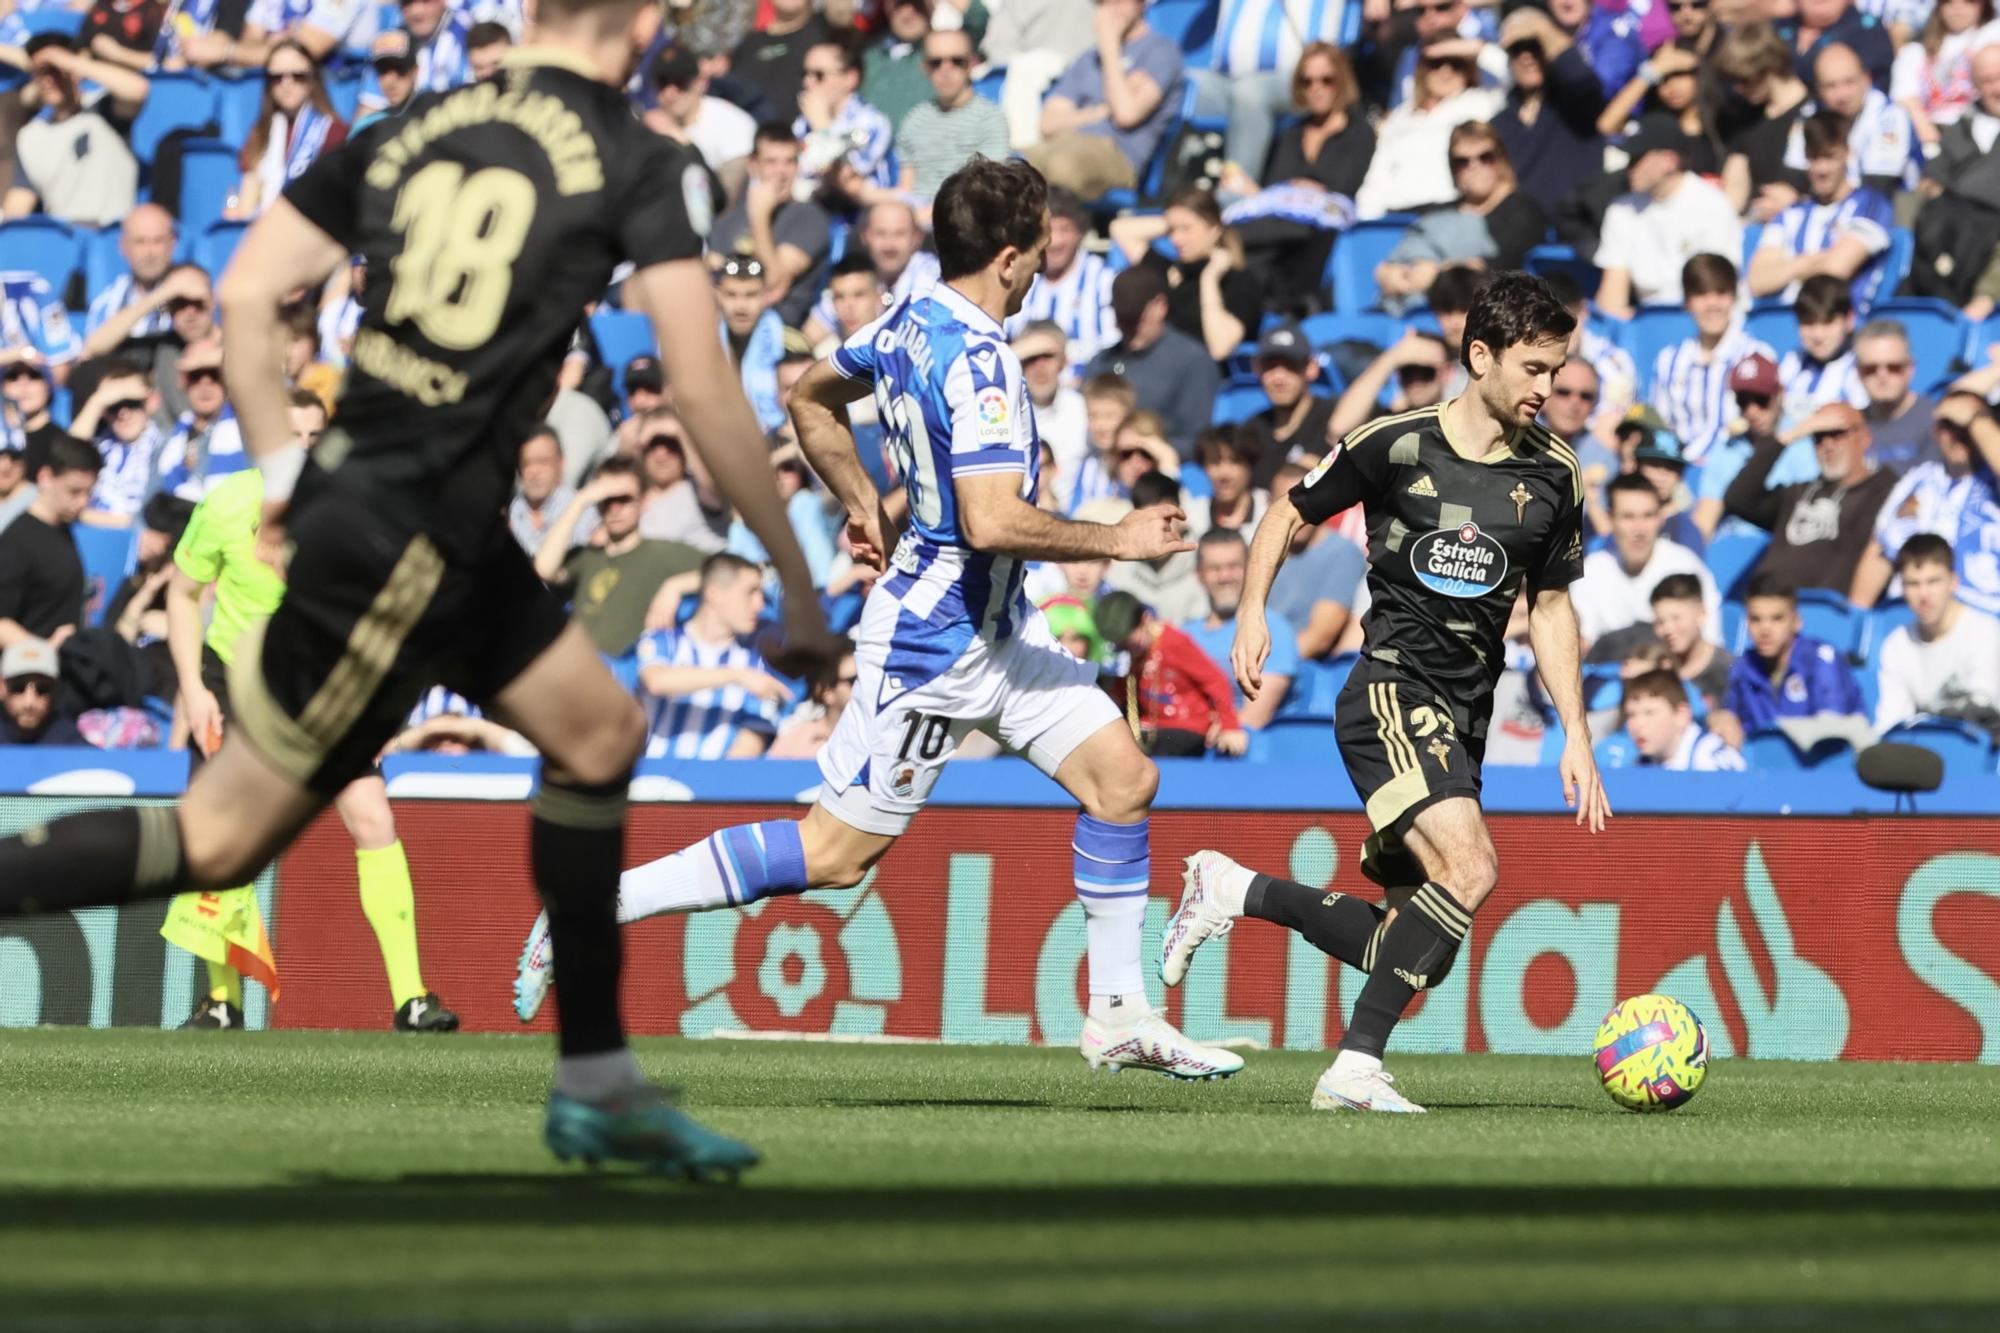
x=1734, y=631
x=43, y=245
x=51, y=18
x=1238, y=402
x=1301, y=740
x=176, y=102
x=1546, y=259
x=988, y=85
x=1189, y=24
x=1829, y=617
x=1876, y=627
x=1732, y=554
x=217, y=244
x=103, y=262
x=1937, y=329
x=343, y=89
x=1374, y=327
x=1356, y=252
x=1651, y=328
x=238, y=100
x=1776, y=325
x=1966, y=750
x=209, y=175
x=1771, y=750
x=107, y=555
x=1316, y=688
x=1902, y=255
x=620, y=337
x=1753, y=235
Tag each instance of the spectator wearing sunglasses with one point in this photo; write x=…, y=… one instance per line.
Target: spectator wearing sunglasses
x=191, y=319
x=808, y=726
x=295, y=124
x=1572, y=413
x=1250, y=81
x=1757, y=408
x=774, y=59
x=613, y=582
x=1550, y=123
x=846, y=142
x=1494, y=224
x=30, y=680
x=1409, y=29
x=435, y=44
x=788, y=237
x=940, y=135
x=1411, y=167
x=391, y=80
x=205, y=444
x=1899, y=418
x=117, y=421
x=26, y=424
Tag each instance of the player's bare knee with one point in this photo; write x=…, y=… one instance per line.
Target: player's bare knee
x=606, y=751
x=1474, y=874
x=1124, y=791
x=217, y=860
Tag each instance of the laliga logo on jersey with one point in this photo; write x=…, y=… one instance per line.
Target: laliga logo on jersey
x=1459, y=562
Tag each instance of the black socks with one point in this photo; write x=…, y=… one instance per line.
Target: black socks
x=96, y=859
x=578, y=851
x=1334, y=923
x=1415, y=953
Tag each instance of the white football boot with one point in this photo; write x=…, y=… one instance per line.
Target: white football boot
x=1361, y=1090
x=1154, y=1043
x=534, y=971
x=1212, y=889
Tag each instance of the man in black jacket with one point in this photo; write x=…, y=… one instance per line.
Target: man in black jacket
x=1819, y=529
x=1550, y=121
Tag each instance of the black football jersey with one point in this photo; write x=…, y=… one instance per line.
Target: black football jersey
x=489, y=216
x=1450, y=540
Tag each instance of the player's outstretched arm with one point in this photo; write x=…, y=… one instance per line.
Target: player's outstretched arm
x=1268, y=550
x=828, y=442
x=1558, y=645
x=281, y=253
x=994, y=518
x=680, y=300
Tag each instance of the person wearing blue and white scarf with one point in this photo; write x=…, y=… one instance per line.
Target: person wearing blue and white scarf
x=295, y=124
x=116, y=421
x=206, y=444
x=1257, y=45
x=754, y=337
x=34, y=324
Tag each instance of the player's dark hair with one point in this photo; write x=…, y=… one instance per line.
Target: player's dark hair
x=1825, y=133
x=1510, y=309
x=1155, y=488
x=983, y=208
x=1677, y=588
x=1564, y=285
x=1926, y=548
x=856, y=260
x=1707, y=275
x=1658, y=684
x=1768, y=584
x=69, y=454
x=723, y=566
x=1822, y=299
x=775, y=131
x=1453, y=290
x=485, y=34
x=1630, y=483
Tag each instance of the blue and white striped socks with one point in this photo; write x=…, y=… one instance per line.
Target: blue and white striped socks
x=726, y=869
x=1114, y=865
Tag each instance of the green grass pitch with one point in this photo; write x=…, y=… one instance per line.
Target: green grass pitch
x=277, y=1181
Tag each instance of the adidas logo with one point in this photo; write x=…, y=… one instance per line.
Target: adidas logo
x=1413, y=981
x=1422, y=486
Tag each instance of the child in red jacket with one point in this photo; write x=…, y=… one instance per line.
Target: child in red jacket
x=1186, y=705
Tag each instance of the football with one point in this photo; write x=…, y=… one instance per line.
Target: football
x=1652, y=1054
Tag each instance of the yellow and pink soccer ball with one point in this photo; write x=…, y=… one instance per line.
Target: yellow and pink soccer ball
x=1651, y=1053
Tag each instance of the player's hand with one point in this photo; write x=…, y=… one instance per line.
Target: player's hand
x=1232, y=742
x=871, y=537
x=1249, y=651
x=1152, y=533
x=204, y=717
x=1583, y=789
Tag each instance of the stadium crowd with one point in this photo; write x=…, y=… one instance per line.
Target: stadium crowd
x=1777, y=220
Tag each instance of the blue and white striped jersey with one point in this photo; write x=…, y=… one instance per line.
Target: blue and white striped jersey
x=1266, y=36
x=953, y=404
x=1811, y=384
x=918, y=277
x=1691, y=393
x=32, y=314
x=1617, y=376
x=1881, y=142
x=702, y=725
x=859, y=134
x=1808, y=227
x=438, y=701
x=122, y=291
x=189, y=466
x=1080, y=302
x=1962, y=509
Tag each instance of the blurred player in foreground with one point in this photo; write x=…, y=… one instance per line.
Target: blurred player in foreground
x=1465, y=501
x=489, y=216
x=228, y=548
x=947, y=643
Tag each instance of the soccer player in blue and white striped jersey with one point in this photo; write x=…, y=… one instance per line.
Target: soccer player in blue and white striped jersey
x=947, y=643
x=1074, y=291
x=1691, y=378
x=707, y=691
x=1838, y=228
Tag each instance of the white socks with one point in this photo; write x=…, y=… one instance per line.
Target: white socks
x=1120, y=1011
x=1354, y=1062
x=600, y=1077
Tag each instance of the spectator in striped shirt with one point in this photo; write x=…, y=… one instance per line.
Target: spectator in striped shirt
x=846, y=143
x=130, y=315
x=1108, y=400
x=1820, y=370
x=1691, y=378
x=939, y=136
x=1883, y=150
x=707, y=691
x=893, y=239
x=1257, y=48
x=1074, y=289
x=117, y=420
x=1838, y=228
x=34, y=326
x=1661, y=723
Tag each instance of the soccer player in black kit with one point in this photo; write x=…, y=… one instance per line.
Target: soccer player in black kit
x=489, y=217
x=1465, y=502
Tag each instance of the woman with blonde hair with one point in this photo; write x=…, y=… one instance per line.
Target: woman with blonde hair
x=1210, y=296
x=295, y=124
x=1493, y=226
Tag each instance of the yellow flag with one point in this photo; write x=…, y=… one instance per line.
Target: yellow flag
x=226, y=928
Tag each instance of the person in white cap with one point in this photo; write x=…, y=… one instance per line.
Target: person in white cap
x=30, y=680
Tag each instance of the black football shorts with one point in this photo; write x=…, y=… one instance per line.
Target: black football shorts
x=1404, y=748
